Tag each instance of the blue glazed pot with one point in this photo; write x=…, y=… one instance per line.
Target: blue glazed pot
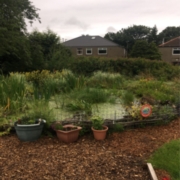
x=29, y=132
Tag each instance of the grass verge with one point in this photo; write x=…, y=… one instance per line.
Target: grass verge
x=167, y=157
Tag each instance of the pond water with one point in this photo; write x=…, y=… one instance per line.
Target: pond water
x=105, y=110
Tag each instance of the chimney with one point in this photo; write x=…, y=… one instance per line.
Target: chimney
x=163, y=41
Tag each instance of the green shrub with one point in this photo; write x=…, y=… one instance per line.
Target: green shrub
x=85, y=129
x=80, y=105
x=85, y=65
x=5, y=127
x=167, y=112
x=117, y=128
x=128, y=67
x=37, y=77
x=158, y=90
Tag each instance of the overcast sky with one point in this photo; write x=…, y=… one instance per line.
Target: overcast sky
x=72, y=18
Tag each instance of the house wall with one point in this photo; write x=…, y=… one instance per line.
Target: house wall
x=112, y=52
x=166, y=55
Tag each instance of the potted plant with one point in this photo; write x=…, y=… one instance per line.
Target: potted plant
x=28, y=129
x=68, y=133
x=99, y=130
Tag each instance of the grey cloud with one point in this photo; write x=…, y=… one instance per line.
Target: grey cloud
x=75, y=22
x=54, y=20
x=73, y=18
x=111, y=29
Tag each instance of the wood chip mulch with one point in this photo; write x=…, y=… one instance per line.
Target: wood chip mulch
x=122, y=156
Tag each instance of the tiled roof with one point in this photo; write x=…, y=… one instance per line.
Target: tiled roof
x=172, y=43
x=89, y=41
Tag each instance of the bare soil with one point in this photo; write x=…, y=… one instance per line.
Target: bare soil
x=122, y=156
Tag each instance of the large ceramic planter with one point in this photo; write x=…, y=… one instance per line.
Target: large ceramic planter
x=100, y=134
x=29, y=132
x=68, y=136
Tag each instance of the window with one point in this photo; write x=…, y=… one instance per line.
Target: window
x=89, y=51
x=175, y=51
x=102, y=51
x=79, y=51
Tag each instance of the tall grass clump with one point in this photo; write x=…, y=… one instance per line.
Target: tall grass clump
x=91, y=95
x=13, y=92
x=41, y=109
x=127, y=98
x=64, y=82
x=106, y=80
x=72, y=81
x=49, y=88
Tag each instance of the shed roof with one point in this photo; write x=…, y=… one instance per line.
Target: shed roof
x=89, y=41
x=171, y=43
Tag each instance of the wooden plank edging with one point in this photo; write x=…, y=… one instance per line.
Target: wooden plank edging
x=151, y=171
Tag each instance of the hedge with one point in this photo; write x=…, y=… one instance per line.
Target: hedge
x=125, y=66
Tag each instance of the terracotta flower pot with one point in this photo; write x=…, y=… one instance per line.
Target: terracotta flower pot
x=69, y=134
x=100, y=134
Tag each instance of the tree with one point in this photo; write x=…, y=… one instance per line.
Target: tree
x=127, y=37
x=168, y=33
x=145, y=50
x=14, y=46
x=153, y=36
x=47, y=51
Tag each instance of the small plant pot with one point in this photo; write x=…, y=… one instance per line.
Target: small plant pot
x=68, y=134
x=29, y=132
x=100, y=134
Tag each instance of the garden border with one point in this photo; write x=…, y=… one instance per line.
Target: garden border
x=125, y=122
x=152, y=172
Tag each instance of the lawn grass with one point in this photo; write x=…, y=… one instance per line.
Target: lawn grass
x=167, y=157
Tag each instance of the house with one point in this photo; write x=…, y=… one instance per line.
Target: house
x=97, y=46
x=170, y=51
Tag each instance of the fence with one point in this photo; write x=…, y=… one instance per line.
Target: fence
x=160, y=114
